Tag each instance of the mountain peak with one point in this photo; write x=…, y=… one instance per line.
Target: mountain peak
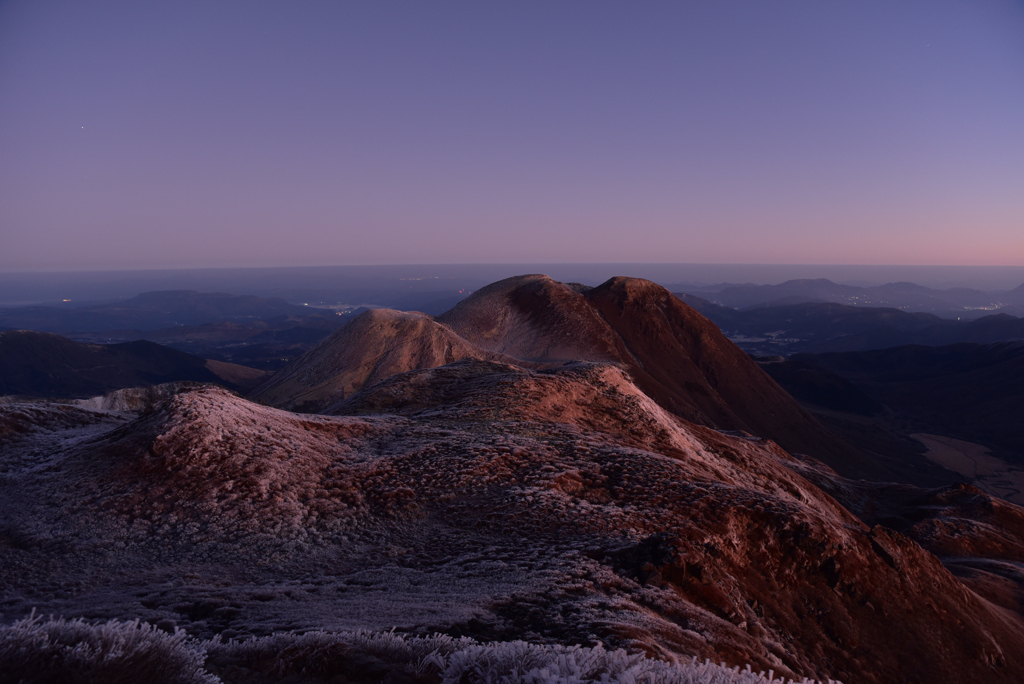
x=372, y=347
x=633, y=287
x=672, y=353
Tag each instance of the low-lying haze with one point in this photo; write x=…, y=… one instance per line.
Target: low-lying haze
x=348, y=284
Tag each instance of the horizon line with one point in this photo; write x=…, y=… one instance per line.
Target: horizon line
x=4, y=271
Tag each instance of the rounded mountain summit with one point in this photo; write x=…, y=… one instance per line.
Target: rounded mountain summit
x=675, y=355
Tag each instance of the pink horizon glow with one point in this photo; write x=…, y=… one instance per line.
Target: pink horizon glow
x=258, y=134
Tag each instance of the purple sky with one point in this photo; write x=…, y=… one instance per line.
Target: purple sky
x=183, y=134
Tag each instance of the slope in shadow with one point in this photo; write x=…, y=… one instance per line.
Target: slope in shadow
x=46, y=365
x=880, y=400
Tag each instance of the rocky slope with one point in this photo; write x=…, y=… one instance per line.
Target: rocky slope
x=684, y=362
x=484, y=499
x=978, y=537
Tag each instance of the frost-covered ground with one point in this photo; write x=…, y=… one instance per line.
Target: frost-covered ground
x=477, y=500
x=34, y=649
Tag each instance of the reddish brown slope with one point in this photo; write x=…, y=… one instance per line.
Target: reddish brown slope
x=675, y=355
x=580, y=509
x=536, y=318
x=759, y=563
x=685, y=363
x=979, y=538
x=374, y=346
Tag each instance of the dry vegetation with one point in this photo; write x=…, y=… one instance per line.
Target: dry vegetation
x=75, y=652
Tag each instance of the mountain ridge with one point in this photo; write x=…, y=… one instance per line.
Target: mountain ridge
x=675, y=355
x=820, y=327
x=952, y=302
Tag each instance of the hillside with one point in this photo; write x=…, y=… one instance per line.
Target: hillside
x=486, y=500
x=969, y=391
x=375, y=345
x=46, y=365
x=675, y=355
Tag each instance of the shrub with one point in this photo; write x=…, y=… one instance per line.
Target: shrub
x=519, y=662
x=440, y=659
x=75, y=652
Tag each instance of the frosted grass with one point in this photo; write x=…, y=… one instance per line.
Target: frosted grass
x=112, y=652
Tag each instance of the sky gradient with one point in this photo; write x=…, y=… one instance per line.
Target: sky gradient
x=197, y=134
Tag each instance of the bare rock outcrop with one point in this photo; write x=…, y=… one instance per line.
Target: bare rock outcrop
x=978, y=537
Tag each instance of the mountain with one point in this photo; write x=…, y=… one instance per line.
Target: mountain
x=804, y=290
x=678, y=357
x=47, y=365
x=824, y=327
x=486, y=500
x=375, y=345
x=951, y=303
x=265, y=344
x=1016, y=295
x=675, y=355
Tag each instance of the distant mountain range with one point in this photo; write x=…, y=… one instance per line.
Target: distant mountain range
x=253, y=331
x=825, y=327
x=268, y=333
x=149, y=311
x=954, y=303
x=173, y=308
